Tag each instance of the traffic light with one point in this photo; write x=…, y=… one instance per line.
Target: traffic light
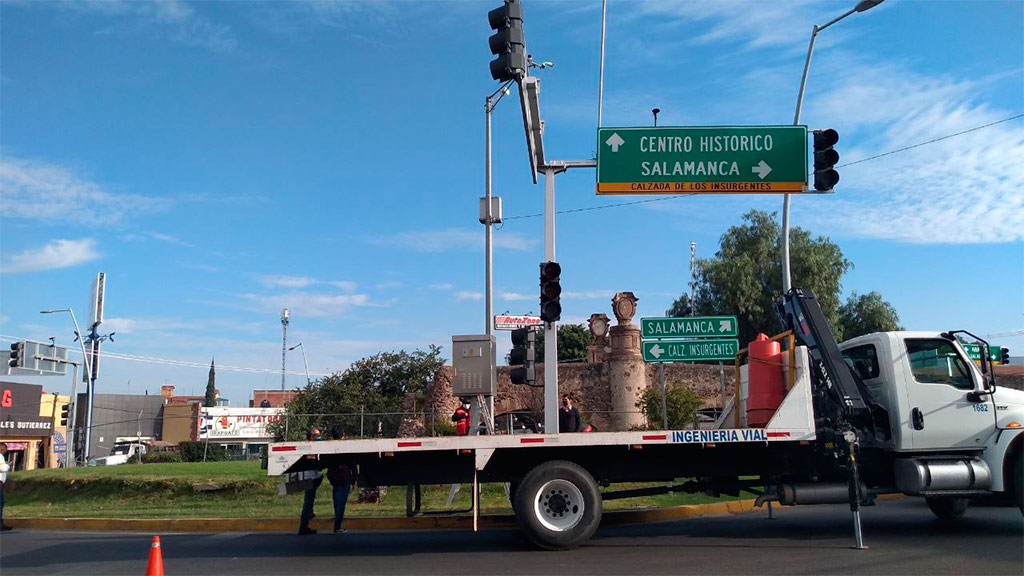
x=17, y=355
x=825, y=159
x=508, y=42
x=522, y=358
x=550, y=291
x=1004, y=356
x=64, y=415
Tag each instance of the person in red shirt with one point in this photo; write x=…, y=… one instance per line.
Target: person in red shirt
x=461, y=419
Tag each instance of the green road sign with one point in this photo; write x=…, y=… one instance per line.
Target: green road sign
x=974, y=352
x=690, y=350
x=693, y=327
x=696, y=160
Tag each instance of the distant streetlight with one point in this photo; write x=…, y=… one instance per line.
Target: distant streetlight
x=74, y=387
x=304, y=365
x=862, y=6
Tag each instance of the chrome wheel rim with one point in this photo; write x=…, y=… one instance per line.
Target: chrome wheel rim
x=559, y=505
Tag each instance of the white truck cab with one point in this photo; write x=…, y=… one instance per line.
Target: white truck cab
x=940, y=403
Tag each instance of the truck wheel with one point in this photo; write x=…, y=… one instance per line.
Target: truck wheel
x=947, y=508
x=558, y=505
x=513, y=487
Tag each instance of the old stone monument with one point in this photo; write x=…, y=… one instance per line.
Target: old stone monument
x=625, y=364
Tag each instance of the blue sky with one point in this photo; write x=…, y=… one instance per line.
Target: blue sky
x=220, y=161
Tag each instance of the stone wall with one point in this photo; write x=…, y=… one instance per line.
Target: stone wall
x=588, y=384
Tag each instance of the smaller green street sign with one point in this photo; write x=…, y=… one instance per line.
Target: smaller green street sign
x=691, y=327
x=690, y=350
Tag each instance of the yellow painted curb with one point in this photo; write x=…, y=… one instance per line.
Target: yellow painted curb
x=217, y=525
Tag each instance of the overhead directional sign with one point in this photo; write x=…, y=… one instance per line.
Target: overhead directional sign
x=690, y=350
x=702, y=160
x=692, y=327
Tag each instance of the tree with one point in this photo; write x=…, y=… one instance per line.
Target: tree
x=573, y=340
x=744, y=278
x=376, y=386
x=866, y=314
x=211, y=388
x=683, y=405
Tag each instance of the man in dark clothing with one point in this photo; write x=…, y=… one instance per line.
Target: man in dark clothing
x=568, y=416
x=341, y=474
x=309, y=498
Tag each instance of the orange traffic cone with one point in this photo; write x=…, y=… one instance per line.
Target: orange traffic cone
x=156, y=559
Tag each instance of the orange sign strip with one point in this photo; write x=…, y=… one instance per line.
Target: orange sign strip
x=700, y=187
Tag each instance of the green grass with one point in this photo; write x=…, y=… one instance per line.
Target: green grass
x=165, y=491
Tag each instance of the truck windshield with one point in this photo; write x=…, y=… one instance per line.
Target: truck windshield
x=936, y=361
x=120, y=449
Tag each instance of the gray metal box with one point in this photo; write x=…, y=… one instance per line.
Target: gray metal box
x=473, y=357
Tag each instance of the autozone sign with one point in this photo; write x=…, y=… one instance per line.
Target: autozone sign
x=508, y=322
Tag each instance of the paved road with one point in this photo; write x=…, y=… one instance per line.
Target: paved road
x=903, y=536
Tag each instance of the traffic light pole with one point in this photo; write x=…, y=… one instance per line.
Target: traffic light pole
x=550, y=170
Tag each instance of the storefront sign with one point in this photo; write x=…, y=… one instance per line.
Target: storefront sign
x=19, y=411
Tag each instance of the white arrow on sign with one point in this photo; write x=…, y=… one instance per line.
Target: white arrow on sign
x=761, y=169
x=656, y=351
x=725, y=325
x=615, y=141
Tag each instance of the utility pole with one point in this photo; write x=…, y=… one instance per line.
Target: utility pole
x=284, y=342
x=693, y=261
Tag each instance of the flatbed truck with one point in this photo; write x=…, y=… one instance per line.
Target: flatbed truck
x=892, y=412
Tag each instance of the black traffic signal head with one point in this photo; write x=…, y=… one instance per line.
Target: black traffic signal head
x=64, y=415
x=17, y=355
x=508, y=42
x=825, y=159
x=521, y=357
x=550, y=291
x=1004, y=356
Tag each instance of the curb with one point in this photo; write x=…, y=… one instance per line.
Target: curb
x=218, y=525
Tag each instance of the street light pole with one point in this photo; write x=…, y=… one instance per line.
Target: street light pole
x=74, y=386
x=304, y=365
x=861, y=6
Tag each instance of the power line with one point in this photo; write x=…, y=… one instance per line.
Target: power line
x=875, y=157
x=181, y=363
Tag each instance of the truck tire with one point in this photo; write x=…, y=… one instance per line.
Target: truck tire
x=947, y=508
x=558, y=505
x=1018, y=483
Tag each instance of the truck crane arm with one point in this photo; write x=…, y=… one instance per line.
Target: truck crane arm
x=840, y=394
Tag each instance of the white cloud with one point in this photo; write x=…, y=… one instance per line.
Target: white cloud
x=444, y=286
x=960, y=190
x=588, y=295
x=158, y=236
x=759, y=24
x=309, y=304
x=283, y=281
x=286, y=281
x=171, y=19
x=452, y=239
x=36, y=190
x=54, y=256
x=466, y=295
x=517, y=297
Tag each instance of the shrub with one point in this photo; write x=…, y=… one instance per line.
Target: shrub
x=161, y=457
x=683, y=405
x=195, y=451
